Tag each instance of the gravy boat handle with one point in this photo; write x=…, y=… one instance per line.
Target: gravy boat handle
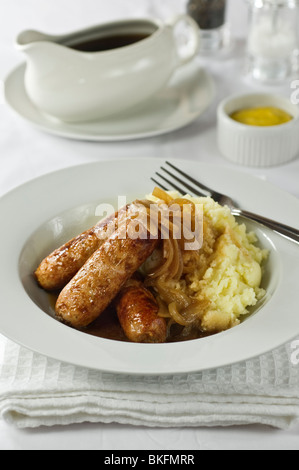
x=192, y=32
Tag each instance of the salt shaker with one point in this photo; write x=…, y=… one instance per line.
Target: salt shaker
x=210, y=16
x=273, y=45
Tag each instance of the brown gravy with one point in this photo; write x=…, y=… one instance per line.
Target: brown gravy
x=101, y=44
x=107, y=326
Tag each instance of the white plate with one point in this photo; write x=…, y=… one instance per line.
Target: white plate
x=184, y=99
x=42, y=214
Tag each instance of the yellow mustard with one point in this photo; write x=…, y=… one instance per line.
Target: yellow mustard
x=268, y=116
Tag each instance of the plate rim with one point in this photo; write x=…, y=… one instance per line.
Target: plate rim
x=206, y=342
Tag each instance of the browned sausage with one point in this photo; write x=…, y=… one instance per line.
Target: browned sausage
x=60, y=267
x=137, y=311
x=101, y=278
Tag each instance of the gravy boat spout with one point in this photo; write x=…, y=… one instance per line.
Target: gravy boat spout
x=30, y=38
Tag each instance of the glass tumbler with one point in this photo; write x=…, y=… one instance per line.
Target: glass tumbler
x=273, y=44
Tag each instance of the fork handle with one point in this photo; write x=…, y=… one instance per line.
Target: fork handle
x=288, y=232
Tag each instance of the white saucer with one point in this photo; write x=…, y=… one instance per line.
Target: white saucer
x=184, y=99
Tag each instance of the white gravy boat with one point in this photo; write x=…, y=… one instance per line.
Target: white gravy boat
x=73, y=85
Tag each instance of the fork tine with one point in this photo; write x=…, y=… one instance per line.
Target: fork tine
x=173, y=185
x=159, y=184
x=193, y=180
x=186, y=185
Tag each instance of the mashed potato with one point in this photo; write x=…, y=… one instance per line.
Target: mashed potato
x=225, y=275
x=232, y=279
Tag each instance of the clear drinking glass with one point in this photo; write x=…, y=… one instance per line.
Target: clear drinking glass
x=210, y=16
x=273, y=34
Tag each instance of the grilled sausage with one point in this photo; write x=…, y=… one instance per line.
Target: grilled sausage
x=137, y=311
x=101, y=278
x=60, y=267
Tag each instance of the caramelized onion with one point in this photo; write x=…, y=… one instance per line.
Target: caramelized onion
x=165, y=278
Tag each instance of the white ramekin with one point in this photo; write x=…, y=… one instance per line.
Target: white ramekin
x=253, y=145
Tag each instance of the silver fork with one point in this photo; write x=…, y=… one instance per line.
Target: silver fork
x=195, y=188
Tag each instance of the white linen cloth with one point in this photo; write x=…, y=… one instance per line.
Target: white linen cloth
x=38, y=391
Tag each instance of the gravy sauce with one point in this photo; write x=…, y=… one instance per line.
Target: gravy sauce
x=107, y=326
x=108, y=43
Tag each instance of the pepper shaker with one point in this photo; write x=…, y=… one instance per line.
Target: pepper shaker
x=210, y=16
x=273, y=45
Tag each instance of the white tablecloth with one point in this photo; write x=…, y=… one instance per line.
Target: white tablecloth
x=26, y=153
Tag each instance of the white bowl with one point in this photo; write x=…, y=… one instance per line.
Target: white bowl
x=26, y=316
x=254, y=145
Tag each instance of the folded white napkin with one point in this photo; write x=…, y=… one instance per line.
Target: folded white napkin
x=38, y=391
